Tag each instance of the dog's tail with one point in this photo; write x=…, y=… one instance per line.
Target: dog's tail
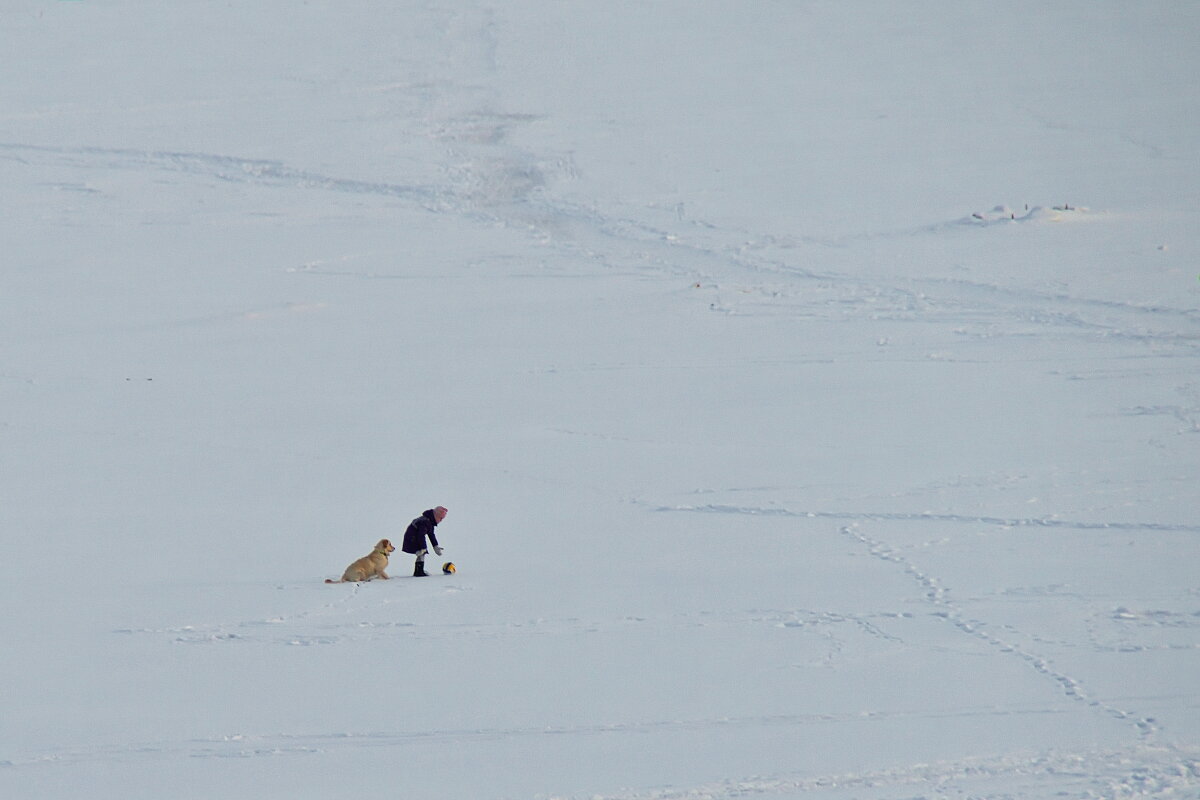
x=329, y=581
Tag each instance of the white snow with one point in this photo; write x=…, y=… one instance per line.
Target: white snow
x=814, y=388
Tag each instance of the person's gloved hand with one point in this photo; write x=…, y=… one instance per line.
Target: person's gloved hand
x=439, y=549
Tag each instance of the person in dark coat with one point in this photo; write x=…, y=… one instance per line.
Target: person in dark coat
x=418, y=531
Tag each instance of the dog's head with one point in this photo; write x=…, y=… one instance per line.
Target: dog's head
x=385, y=547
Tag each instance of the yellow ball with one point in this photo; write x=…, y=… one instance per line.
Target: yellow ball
x=449, y=568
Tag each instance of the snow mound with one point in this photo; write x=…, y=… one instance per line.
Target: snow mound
x=1002, y=213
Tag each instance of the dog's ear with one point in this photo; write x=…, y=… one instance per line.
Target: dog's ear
x=385, y=544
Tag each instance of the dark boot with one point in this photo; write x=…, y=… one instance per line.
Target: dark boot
x=419, y=570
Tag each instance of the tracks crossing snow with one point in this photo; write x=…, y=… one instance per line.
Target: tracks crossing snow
x=938, y=595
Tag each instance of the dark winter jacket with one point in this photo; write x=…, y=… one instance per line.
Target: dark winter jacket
x=418, y=529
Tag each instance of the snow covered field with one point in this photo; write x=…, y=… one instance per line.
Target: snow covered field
x=814, y=388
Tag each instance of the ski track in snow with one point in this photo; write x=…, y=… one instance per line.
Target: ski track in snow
x=1135, y=771
x=337, y=621
x=244, y=745
x=349, y=619
x=883, y=516
x=499, y=184
x=226, y=168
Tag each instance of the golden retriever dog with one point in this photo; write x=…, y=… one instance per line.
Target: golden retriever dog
x=369, y=566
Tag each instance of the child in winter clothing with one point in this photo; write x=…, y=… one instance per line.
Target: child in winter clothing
x=414, y=538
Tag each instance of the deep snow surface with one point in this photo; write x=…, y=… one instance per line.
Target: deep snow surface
x=814, y=387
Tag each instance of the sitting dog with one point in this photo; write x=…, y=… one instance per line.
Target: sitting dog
x=369, y=566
